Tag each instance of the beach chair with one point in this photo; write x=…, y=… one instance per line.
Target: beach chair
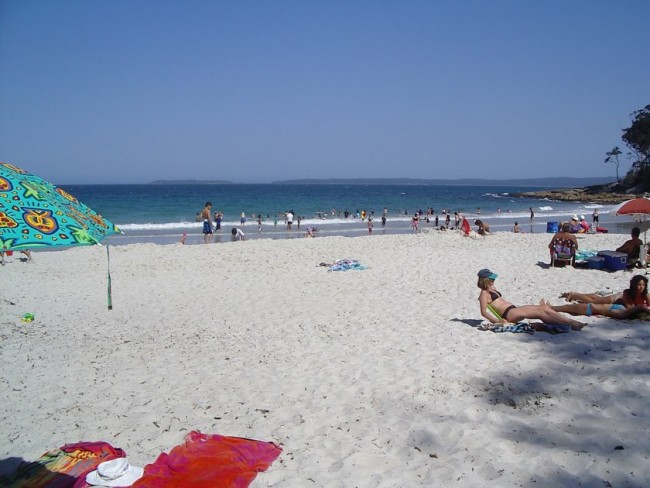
x=563, y=251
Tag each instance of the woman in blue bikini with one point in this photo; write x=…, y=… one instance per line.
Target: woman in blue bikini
x=498, y=310
x=617, y=306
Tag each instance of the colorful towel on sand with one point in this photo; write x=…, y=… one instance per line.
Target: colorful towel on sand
x=521, y=327
x=346, y=264
x=65, y=467
x=213, y=461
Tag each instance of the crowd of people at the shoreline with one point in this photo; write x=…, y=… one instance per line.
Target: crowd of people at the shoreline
x=445, y=220
x=421, y=219
x=212, y=221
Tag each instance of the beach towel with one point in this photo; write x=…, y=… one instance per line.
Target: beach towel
x=65, y=467
x=582, y=255
x=346, y=264
x=521, y=327
x=213, y=461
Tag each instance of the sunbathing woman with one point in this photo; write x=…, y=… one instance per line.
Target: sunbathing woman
x=636, y=294
x=498, y=310
x=618, y=305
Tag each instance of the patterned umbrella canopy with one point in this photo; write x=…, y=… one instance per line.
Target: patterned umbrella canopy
x=37, y=214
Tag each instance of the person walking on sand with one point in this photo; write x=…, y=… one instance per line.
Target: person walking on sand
x=595, y=218
x=206, y=215
x=498, y=310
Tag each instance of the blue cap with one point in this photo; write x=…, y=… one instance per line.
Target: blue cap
x=486, y=273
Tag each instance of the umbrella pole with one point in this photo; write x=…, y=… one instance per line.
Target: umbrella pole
x=110, y=298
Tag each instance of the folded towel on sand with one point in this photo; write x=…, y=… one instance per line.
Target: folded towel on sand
x=210, y=460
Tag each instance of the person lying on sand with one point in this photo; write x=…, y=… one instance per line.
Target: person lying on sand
x=498, y=310
x=636, y=294
x=614, y=310
x=628, y=304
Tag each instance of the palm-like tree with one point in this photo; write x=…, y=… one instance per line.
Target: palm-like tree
x=612, y=157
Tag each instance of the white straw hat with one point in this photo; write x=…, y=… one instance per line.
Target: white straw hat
x=117, y=472
x=574, y=217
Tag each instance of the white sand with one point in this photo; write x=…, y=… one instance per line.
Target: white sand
x=370, y=378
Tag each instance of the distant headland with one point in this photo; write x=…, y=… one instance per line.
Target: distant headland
x=190, y=182
x=555, y=182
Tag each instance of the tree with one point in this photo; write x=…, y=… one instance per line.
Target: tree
x=637, y=136
x=612, y=157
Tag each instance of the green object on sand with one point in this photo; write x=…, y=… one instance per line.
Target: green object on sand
x=28, y=317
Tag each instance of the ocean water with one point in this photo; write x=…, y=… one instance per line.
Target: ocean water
x=162, y=213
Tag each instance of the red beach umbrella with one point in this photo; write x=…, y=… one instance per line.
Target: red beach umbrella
x=639, y=205
x=636, y=206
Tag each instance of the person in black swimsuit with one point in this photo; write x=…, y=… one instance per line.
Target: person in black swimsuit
x=498, y=310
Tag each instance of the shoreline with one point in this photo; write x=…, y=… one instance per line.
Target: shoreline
x=621, y=225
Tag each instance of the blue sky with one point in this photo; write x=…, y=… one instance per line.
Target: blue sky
x=254, y=91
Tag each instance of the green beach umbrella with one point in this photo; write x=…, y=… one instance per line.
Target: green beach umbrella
x=35, y=214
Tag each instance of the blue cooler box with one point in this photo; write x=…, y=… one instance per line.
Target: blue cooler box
x=614, y=261
x=552, y=227
x=596, y=262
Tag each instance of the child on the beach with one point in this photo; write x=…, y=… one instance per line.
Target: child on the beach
x=415, y=223
x=370, y=225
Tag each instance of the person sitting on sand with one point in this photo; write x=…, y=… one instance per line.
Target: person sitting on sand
x=563, y=243
x=635, y=295
x=498, y=310
x=516, y=229
x=574, y=226
x=483, y=227
x=632, y=247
